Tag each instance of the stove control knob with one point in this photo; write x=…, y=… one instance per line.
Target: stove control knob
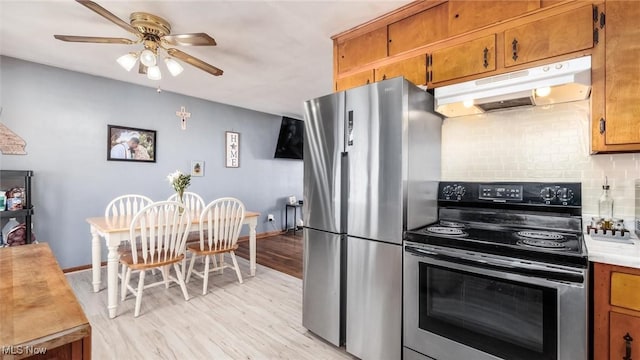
x=447, y=191
x=460, y=191
x=548, y=194
x=564, y=194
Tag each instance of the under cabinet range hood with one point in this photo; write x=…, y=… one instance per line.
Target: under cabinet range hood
x=544, y=85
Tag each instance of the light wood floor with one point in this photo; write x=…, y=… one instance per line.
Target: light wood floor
x=260, y=319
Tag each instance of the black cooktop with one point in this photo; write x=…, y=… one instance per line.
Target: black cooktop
x=549, y=245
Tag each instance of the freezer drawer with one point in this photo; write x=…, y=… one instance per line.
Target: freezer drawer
x=374, y=299
x=321, y=301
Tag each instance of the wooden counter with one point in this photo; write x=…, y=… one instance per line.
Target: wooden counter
x=40, y=317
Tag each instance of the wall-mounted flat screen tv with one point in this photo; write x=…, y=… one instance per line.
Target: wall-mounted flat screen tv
x=290, y=139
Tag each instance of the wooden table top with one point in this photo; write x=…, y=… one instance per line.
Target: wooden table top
x=122, y=223
x=37, y=305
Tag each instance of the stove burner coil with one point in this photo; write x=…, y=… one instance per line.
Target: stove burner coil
x=442, y=230
x=541, y=235
x=451, y=224
x=549, y=244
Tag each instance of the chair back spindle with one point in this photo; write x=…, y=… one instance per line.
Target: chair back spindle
x=220, y=224
x=161, y=232
x=129, y=204
x=192, y=201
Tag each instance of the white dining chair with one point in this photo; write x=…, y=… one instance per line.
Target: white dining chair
x=220, y=224
x=159, y=235
x=128, y=204
x=192, y=201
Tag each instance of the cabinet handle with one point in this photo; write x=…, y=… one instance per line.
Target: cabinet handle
x=514, y=49
x=485, y=57
x=384, y=77
x=627, y=340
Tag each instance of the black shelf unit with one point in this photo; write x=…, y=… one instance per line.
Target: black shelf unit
x=20, y=178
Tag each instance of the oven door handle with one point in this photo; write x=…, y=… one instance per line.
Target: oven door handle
x=538, y=271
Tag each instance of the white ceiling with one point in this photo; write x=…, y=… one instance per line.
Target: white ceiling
x=275, y=54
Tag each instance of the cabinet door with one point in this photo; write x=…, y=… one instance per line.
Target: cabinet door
x=557, y=35
x=355, y=80
x=621, y=325
x=466, y=15
x=413, y=69
x=622, y=73
x=470, y=58
x=420, y=29
x=362, y=49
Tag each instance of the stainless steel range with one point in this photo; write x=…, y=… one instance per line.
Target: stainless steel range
x=501, y=275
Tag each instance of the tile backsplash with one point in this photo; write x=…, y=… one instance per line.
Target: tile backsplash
x=548, y=143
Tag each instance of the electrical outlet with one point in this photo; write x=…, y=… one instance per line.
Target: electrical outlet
x=270, y=217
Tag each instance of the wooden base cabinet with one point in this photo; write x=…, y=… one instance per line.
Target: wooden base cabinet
x=624, y=336
x=616, y=312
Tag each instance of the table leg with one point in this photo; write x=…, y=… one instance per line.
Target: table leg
x=253, y=222
x=96, y=258
x=112, y=279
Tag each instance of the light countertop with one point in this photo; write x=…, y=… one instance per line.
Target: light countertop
x=614, y=252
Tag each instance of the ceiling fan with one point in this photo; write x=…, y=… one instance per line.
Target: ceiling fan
x=154, y=33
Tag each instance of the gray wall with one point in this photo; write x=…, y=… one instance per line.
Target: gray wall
x=63, y=117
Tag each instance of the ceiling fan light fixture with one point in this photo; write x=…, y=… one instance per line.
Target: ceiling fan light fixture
x=153, y=73
x=127, y=61
x=174, y=67
x=148, y=58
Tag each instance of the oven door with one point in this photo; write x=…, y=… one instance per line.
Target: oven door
x=464, y=305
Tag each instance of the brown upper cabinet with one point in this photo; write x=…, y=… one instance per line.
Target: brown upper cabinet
x=622, y=76
x=357, y=79
x=420, y=29
x=465, y=15
x=413, y=69
x=470, y=58
x=557, y=35
x=362, y=49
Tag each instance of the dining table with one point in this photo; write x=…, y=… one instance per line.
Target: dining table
x=116, y=229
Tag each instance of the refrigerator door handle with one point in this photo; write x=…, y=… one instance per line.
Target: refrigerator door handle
x=350, y=128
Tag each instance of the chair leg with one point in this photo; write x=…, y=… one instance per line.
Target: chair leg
x=180, y=277
x=205, y=280
x=235, y=265
x=125, y=283
x=193, y=261
x=139, y=294
x=221, y=263
x=165, y=275
x=214, y=261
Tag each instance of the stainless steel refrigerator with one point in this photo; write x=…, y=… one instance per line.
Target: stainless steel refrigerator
x=371, y=167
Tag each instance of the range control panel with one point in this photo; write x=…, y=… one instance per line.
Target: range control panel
x=553, y=194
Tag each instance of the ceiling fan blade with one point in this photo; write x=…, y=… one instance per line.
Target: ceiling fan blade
x=142, y=69
x=109, y=16
x=196, y=39
x=194, y=61
x=94, y=39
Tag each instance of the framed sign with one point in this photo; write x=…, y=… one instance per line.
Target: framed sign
x=197, y=168
x=130, y=144
x=232, y=149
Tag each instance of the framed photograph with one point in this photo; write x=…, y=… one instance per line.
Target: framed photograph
x=130, y=144
x=197, y=168
x=232, y=149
